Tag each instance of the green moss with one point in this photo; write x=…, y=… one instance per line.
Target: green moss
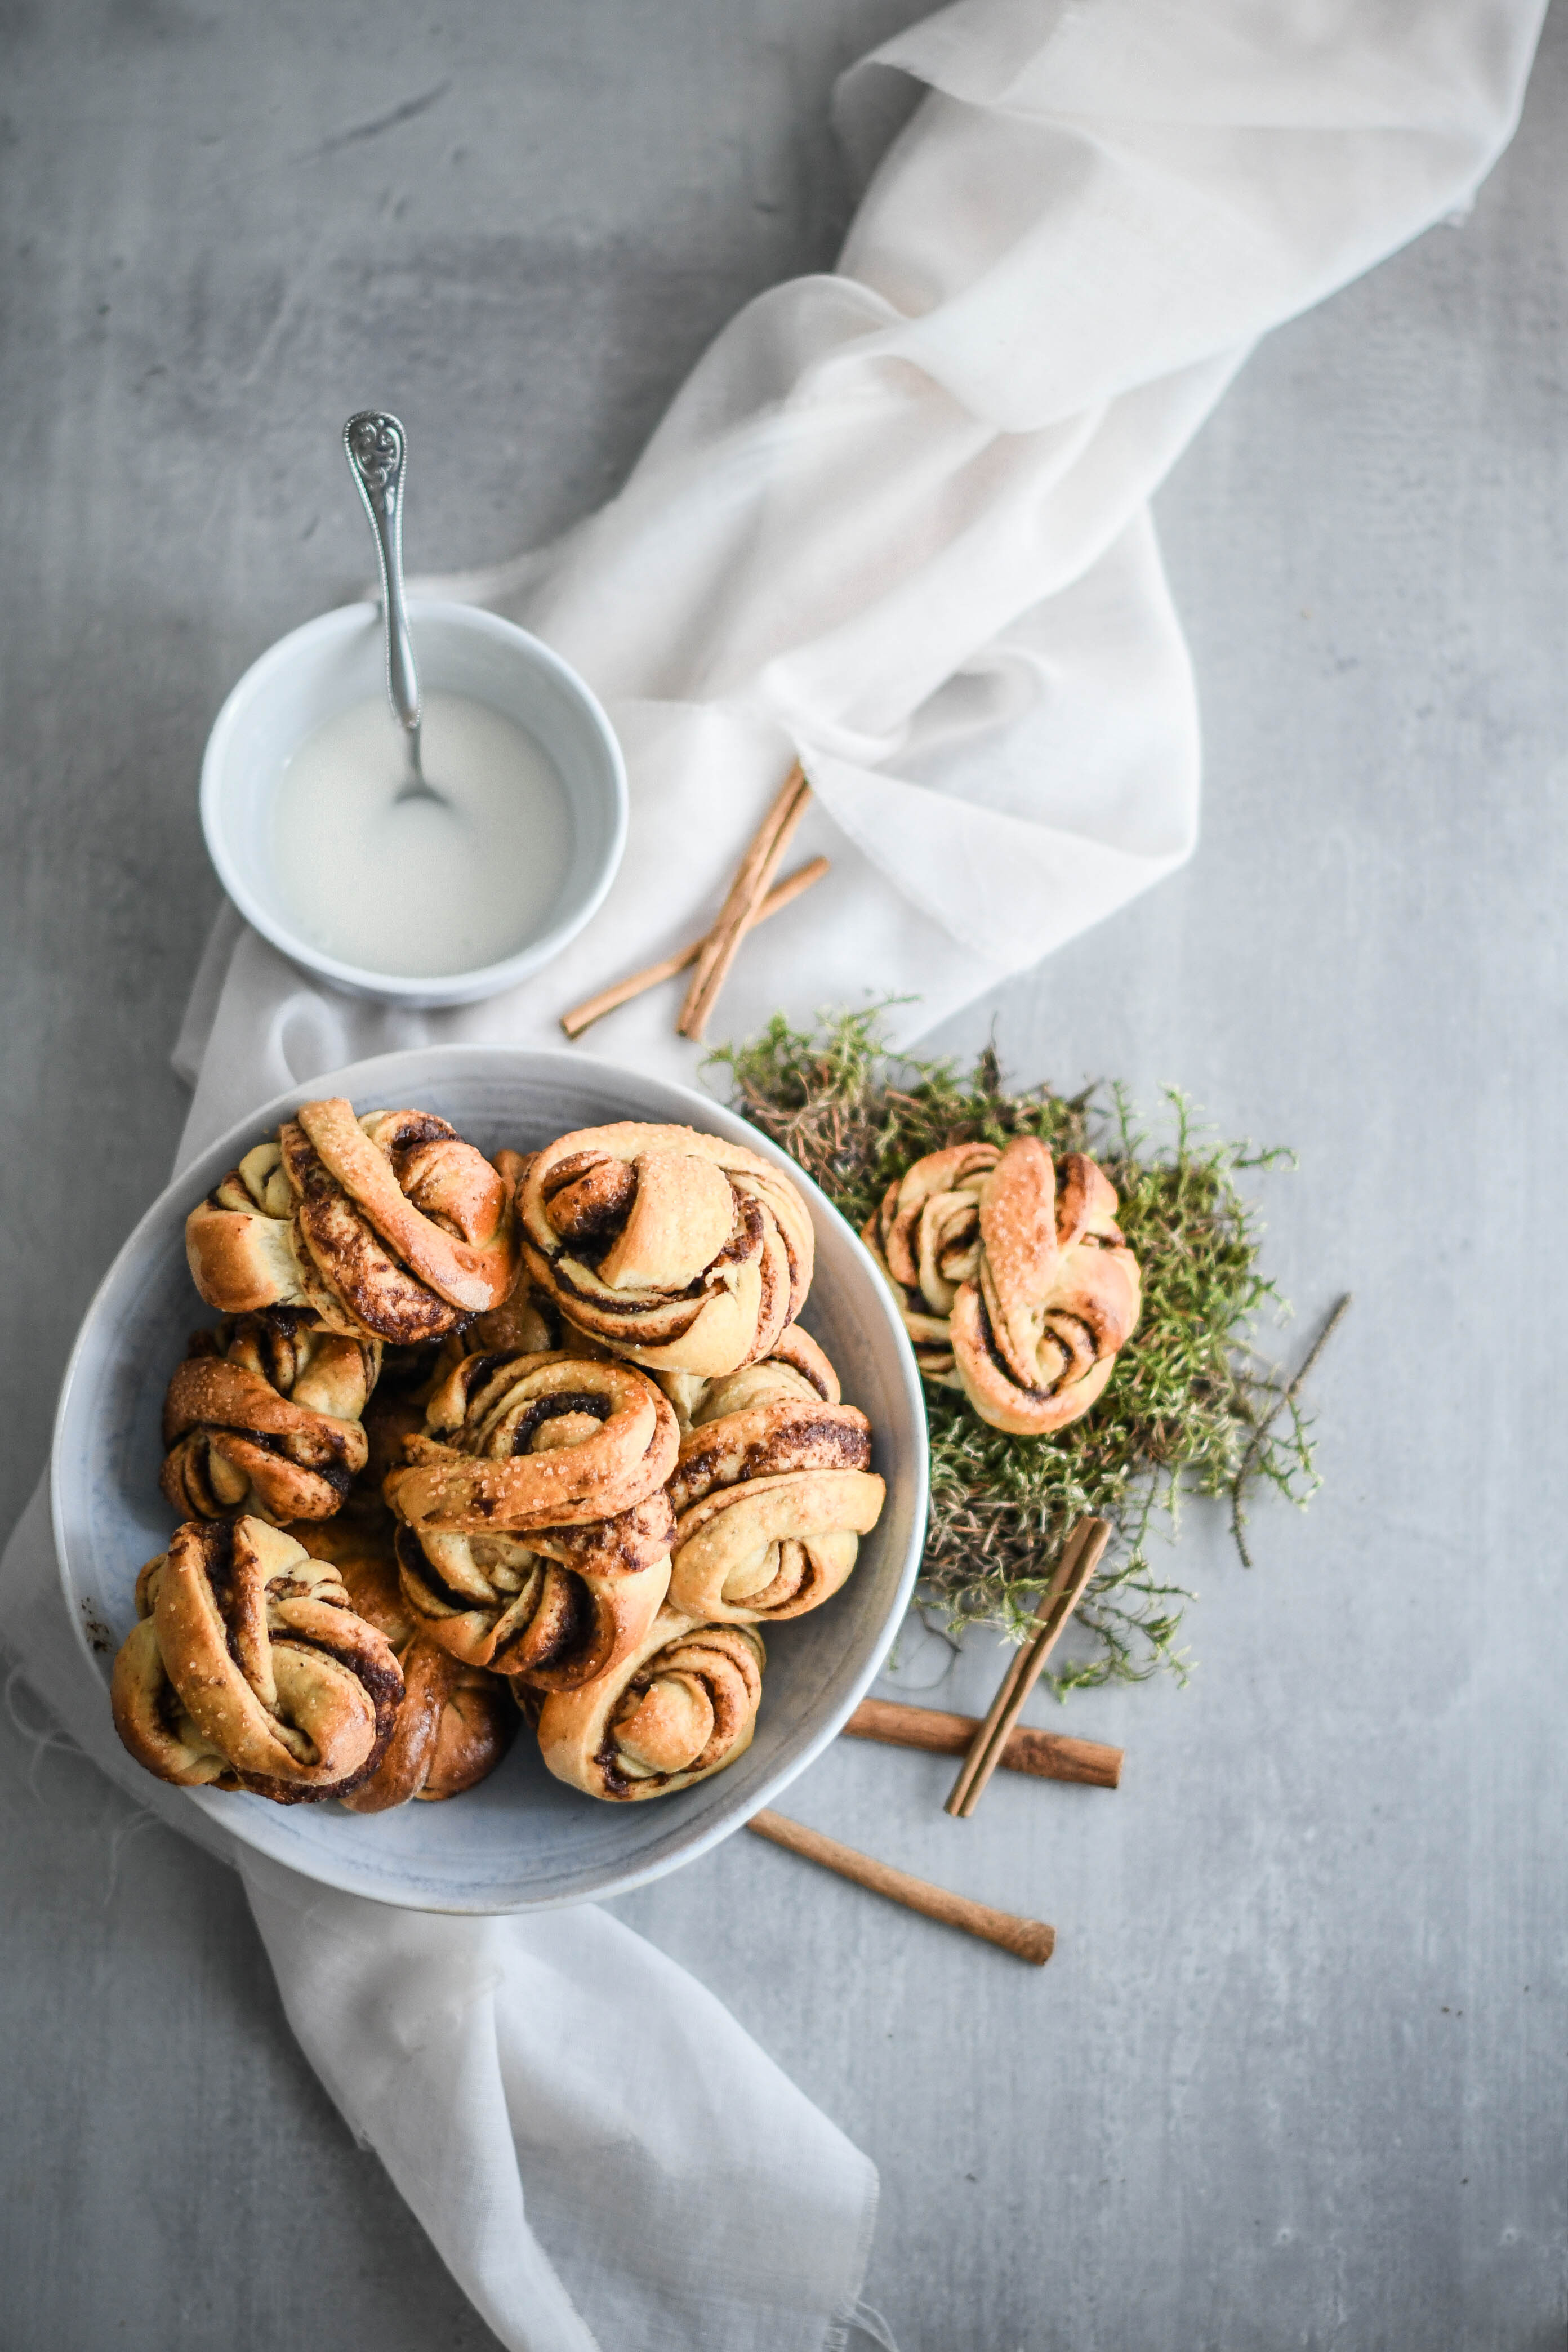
x=1192, y=1408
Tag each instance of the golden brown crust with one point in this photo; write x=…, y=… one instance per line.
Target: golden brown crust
x=264, y=1417
x=796, y=1365
x=766, y=1439
x=772, y=1490
x=925, y=1236
x=151, y=1720
x=808, y=1361
x=1013, y=1281
x=553, y=1609
x=677, y=1250
x=259, y=1650
x=1056, y=1296
x=240, y=1240
x=455, y=1722
x=534, y=1442
x=681, y=1706
x=388, y=1227
x=774, y=1546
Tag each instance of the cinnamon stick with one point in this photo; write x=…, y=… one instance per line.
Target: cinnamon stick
x=781, y=894
x=1028, y=1940
x=1045, y=1754
x=747, y=891
x=1081, y=1555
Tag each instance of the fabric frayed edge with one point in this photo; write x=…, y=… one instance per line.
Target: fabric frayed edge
x=846, y=2322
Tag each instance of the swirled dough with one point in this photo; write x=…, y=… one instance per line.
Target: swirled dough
x=681, y=1706
x=387, y=1227
x=1015, y=1282
x=535, y=1529
x=514, y=1443
x=265, y=1416
x=773, y=1491
x=455, y=1722
x=677, y=1250
x=249, y=1668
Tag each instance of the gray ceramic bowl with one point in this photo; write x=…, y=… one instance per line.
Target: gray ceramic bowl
x=520, y=1841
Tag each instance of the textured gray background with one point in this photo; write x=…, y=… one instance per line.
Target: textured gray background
x=1296, y=2075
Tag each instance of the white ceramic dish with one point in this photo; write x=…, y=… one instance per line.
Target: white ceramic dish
x=339, y=660
x=521, y=1840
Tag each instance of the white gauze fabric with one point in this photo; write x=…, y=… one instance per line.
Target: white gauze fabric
x=896, y=521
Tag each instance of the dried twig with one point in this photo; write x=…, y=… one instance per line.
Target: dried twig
x=1288, y=1395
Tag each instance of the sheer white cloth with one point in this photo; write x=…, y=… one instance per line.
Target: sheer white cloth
x=896, y=522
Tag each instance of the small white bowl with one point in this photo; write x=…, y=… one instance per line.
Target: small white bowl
x=332, y=663
x=521, y=1840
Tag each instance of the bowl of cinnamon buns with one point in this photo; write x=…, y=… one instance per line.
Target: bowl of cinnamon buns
x=487, y=1478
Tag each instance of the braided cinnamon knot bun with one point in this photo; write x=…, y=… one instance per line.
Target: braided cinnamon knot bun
x=681, y=1706
x=772, y=1491
x=1056, y=1292
x=249, y=1668
x=387, y=1227
x=454, y=1723
x=677, y=1250
x=514, y=1443
x=926, y=1238
x=536, y=1542
x=264, y=1416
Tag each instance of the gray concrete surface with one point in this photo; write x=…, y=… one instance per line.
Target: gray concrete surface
x=1296, y=2075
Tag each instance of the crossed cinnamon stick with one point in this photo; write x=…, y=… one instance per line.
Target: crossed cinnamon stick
x=1001, y=1739
x=1045, y=1755
x=1081, y=1555
x=753, y=897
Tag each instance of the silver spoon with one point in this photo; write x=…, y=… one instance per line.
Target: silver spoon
x=378, y=450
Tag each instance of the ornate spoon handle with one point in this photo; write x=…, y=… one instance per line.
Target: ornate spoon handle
x=378, y=450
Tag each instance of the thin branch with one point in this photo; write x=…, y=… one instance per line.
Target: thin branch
x=1253, y=1456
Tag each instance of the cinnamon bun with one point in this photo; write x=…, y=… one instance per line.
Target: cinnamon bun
x=679, y=1250
x=455, y=1722
x=250, y=1669
x=535, y=1541
x=681, y=1706
x=773, y=1491
x=1056, y=1294
x=388, y=1227
x=265, y=1416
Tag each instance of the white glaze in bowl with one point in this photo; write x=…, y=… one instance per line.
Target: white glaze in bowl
x=338, y=660
x=521, y=1840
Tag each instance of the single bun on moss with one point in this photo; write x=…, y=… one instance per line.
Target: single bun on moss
x=1056, y=1296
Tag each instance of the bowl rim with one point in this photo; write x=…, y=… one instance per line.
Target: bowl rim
x=359, y=1079
x=430, y=988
